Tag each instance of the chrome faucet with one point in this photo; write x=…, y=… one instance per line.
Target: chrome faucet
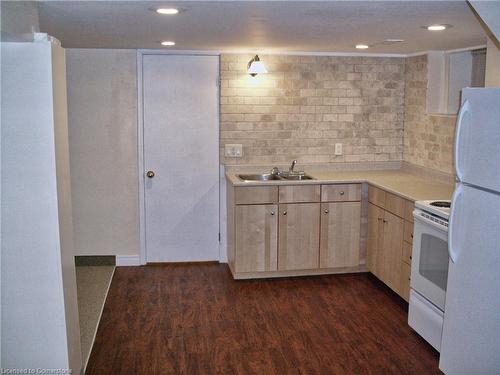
x=290, y=170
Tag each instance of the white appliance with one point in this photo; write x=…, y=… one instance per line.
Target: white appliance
x=40, y=324
x=471, y=332
x=429, y=269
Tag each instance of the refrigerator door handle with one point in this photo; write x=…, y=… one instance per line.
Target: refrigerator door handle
x=455, y=211
x=463, y=110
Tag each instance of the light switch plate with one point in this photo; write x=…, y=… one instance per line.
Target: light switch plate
x=233, y=150
x=338, y=148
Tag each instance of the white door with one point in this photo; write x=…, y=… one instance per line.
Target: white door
x=471, y=330
x=180, y=109
x=477, y=155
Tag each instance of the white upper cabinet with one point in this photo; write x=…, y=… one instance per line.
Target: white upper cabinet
x=448, y=73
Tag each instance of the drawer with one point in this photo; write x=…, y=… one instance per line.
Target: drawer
x=408, y=232
x=409, y=207
x=255, y=194
x=341, y=193
x=407, y=249
x=376, y=196
x=395, y=204
x=298, y=194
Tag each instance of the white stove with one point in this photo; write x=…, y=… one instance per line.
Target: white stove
x=440, y=208
x=429, y=269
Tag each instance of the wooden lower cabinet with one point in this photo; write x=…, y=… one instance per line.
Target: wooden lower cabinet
x=392, y=250
x=385, y=242
x=294, y=230
x=340, y=234
x=390, y=234
x=298, y=244
x=375, y=239
x=256, y=238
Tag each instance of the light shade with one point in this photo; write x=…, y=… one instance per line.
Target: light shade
x=255, y=66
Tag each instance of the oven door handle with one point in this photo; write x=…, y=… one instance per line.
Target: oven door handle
x=455, y=211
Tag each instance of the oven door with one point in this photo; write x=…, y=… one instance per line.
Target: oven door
x=429, y=265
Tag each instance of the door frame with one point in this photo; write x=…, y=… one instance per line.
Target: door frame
x=140, y=139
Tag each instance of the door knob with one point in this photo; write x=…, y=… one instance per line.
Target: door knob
x=272, y=213
x=150, y=174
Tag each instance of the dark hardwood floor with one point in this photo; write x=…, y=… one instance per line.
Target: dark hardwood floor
x=195, y=319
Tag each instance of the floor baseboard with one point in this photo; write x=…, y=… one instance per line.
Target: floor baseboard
x=128, y=260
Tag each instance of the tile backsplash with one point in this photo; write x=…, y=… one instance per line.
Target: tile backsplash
x=307, y=104
x=428, y=139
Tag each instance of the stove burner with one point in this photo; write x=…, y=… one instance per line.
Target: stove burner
x=441, y=204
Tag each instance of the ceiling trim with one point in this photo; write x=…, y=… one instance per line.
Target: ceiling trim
x=153, y=51
x=448, y=50
x=303, y=53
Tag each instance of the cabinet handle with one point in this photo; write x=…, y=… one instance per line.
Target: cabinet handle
x=385, y=221
x=411, y=235
x=284, y=213
x=272, y=213
x=326, y=211
x=341, y=193
x=410, y=257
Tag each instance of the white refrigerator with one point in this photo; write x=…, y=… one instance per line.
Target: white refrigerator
x=471, y=332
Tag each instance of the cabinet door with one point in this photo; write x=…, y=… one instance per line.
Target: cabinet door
x=374, y=256
x=298, y=236
x=339, y=237
x=392, y=250
x=256, y=240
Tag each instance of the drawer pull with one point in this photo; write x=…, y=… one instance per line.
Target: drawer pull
x=326, y=211
x=342, y=193
x=284, y=213
x=272, y=213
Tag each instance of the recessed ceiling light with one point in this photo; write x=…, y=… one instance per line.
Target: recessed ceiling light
x=167, y=11
x=362, y=46
x=167, y=43
x=437, y=27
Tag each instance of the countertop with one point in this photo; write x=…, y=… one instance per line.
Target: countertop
x=406, y=183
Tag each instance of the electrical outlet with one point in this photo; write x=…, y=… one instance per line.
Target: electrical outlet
x=338, y=148
x=233, y=150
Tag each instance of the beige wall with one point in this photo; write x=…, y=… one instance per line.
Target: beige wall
x=306, y=104
x=19, y=19
x=102, y=109
x=428, y=139
x=492, y=78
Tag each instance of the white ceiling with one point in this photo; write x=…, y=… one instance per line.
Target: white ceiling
x=263, y=26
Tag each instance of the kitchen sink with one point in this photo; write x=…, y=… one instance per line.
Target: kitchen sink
x=297, y=177
x=259, y=177
x=275, y=177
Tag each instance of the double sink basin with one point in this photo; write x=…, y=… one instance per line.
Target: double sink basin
x=275, y=177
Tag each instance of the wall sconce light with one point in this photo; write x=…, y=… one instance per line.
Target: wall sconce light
x=255, y=66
